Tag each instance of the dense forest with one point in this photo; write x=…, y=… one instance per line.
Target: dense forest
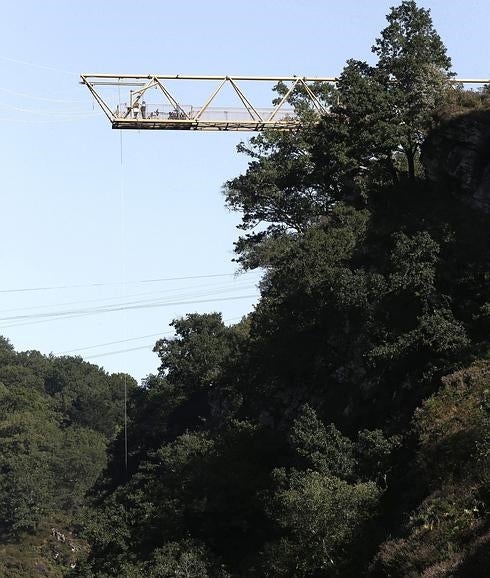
x=342, y=428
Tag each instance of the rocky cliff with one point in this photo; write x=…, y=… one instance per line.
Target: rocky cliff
x=457, y=156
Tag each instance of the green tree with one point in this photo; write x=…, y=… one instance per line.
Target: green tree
x=184, y=559
x=320, y=516
x=196, y=366
x=413, y=68
x=373, y=450
x=324, y=449
x=79, y=461
x=367, y=113
x=292, y=182
x=7, y=352
x=29, y=442
x=379, y=117
x=86, y=395
x=195, y=357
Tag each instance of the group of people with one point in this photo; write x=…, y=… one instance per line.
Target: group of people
x=138, y=110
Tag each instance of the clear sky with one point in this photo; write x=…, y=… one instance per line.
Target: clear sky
x=104, y=220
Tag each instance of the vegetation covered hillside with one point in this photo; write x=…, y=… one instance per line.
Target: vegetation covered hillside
x=57, y=416
x=342, y=428
x=334, y=431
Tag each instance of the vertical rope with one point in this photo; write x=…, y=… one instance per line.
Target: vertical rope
x=123, y=267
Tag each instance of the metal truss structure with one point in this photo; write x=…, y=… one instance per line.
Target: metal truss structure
x=135, y=106
x=129, y=101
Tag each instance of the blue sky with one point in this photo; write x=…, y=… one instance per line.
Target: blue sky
x=101, y=233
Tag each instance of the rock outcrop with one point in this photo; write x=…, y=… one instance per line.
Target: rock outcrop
x=456, y=155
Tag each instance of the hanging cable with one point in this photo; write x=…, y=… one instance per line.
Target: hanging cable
x=125, y=315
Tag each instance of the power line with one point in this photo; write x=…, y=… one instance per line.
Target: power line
x=55, y=113
x=148, y=346
x=107, y=284
x=159, y=334
x=217, y=288
x=35, y=65
x=41, y=98
x=121, y=306
x=82, y=313
x=48, y=121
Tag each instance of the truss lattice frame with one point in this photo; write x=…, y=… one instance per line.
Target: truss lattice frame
x=135, y=114
x=177, y=116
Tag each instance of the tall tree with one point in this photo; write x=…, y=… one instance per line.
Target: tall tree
x=414, y=68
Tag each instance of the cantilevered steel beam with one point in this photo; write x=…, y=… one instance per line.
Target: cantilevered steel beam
x=129, y=102
x=137, y=106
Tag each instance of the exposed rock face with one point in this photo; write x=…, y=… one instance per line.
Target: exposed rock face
x=457, y=155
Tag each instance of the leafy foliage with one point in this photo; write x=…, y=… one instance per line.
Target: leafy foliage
x=332, y=432
x=51, y=452
x=320, y=515
x=447, y=534
x=286, y=445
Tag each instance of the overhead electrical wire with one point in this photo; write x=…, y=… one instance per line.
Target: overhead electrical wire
x=119, y=306
x=107, y=284
x=36, y=65
x=47, y=115
x=18, y=321
x=142, y=304
x=159, y=334
x=68, y=351
x=140, y=347
x=161, y=292
x=40, y=98
x=47, y=121
x=148, y=346
x=59, y=113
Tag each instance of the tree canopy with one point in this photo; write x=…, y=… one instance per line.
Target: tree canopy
x=341, y=429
